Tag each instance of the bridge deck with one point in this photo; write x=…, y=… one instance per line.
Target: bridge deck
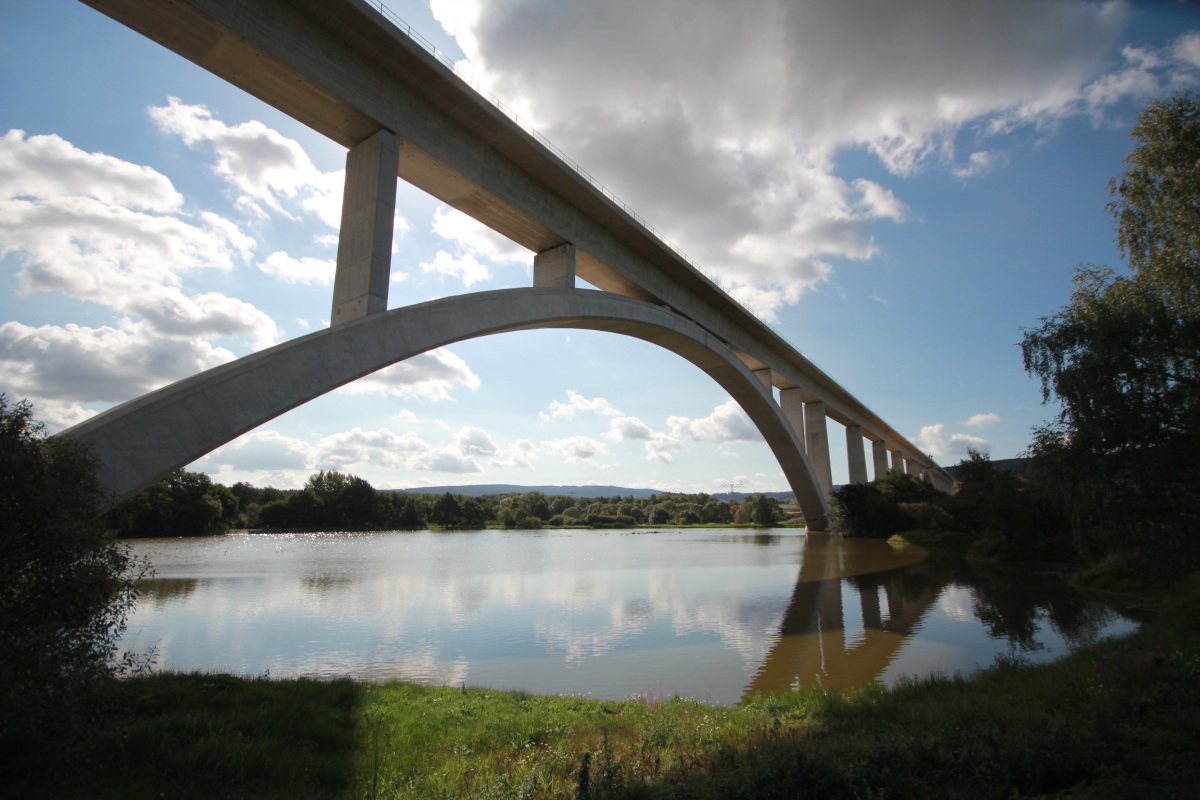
x=340, y=67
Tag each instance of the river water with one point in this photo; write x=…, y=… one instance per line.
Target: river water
x=710, y=614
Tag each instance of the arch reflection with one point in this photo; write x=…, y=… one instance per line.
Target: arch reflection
x=813, y=647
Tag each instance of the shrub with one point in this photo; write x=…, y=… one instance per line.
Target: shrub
x=67, y=587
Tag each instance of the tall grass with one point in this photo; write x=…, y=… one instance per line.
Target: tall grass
x=1116, y=720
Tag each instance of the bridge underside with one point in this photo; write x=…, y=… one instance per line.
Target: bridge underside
x=141, y=441
x=340, y=67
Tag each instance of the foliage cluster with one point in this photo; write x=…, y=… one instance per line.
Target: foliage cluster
x=65, y=588
x=1122, y=362
x=190, y=504
x=996, y=513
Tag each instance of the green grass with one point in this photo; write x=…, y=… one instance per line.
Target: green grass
x=1118, y=721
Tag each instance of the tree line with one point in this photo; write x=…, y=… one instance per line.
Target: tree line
x=190, y=504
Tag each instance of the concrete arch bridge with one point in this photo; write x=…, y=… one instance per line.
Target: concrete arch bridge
x=345, y=69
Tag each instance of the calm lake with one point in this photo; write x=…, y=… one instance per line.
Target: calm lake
x=710, y=614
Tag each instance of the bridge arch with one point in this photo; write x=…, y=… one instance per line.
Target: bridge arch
x=141, y=441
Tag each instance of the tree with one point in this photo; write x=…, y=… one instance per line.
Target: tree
x=765, y=510
x=67, y=586
x=1122, y=358
x=446, y=512
x=182, y=504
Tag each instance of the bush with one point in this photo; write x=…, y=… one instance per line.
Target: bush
x=862, y=509
x=67, y=587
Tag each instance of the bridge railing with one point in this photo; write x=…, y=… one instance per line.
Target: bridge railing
x=466, y=77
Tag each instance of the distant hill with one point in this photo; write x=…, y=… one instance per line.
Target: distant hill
x=479, y=490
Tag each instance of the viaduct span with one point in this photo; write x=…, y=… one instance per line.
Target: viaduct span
x=342, y=68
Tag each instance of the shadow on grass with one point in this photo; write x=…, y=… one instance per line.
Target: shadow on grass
x=215, y=736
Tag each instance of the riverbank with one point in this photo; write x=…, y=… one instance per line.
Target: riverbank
x=1121, y=719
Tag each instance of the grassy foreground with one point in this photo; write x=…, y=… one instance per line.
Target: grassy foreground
x=1119, y=720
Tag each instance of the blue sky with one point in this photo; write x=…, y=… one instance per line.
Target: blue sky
x=896, y=188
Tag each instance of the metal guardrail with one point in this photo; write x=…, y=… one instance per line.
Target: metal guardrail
x=474, y=84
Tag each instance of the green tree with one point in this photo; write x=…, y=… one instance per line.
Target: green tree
x=66, y=587
x=446, y=512
x=182, y=504
x=717, y=511
x=1122, y=359
x=765, y=510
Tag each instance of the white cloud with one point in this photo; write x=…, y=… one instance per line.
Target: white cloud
x=112, y=233
x=50, y=168
x=1186, y=49
x=261, y=450
x=576, y=449
x=263, y=164
x=577, y=402
x=431, y=375
x=317, y=271
x=626, y=428
x=727, y=423
x=465, y=268
x=477, y=238
x=939, y=444
x=982, y=420
x=472, y=441
x=978, y=163
x=76, y=363
x=380, y=447
x=447, y=461
x=659, y=446
x=520, y=456
x=722, y=123
x=58, y=415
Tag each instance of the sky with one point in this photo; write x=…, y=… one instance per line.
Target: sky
x=898, y=189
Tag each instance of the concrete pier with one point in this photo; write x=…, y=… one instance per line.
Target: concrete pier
x=555, y=267
x=855, y=457
x=879, y=459
x=792, y=403
x=817, y=444
x=364, y=255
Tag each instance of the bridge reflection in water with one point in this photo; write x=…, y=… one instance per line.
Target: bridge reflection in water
x=813, y=648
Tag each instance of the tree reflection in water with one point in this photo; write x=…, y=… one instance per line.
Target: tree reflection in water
x=897, y=586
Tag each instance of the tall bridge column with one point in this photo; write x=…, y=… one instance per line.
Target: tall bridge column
x=854, y=454
x=792, y=405
x=555, y=267
x=912, y=468
x=364, y=255
x=817, y=441
x=879, y=458
x=897, y=460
